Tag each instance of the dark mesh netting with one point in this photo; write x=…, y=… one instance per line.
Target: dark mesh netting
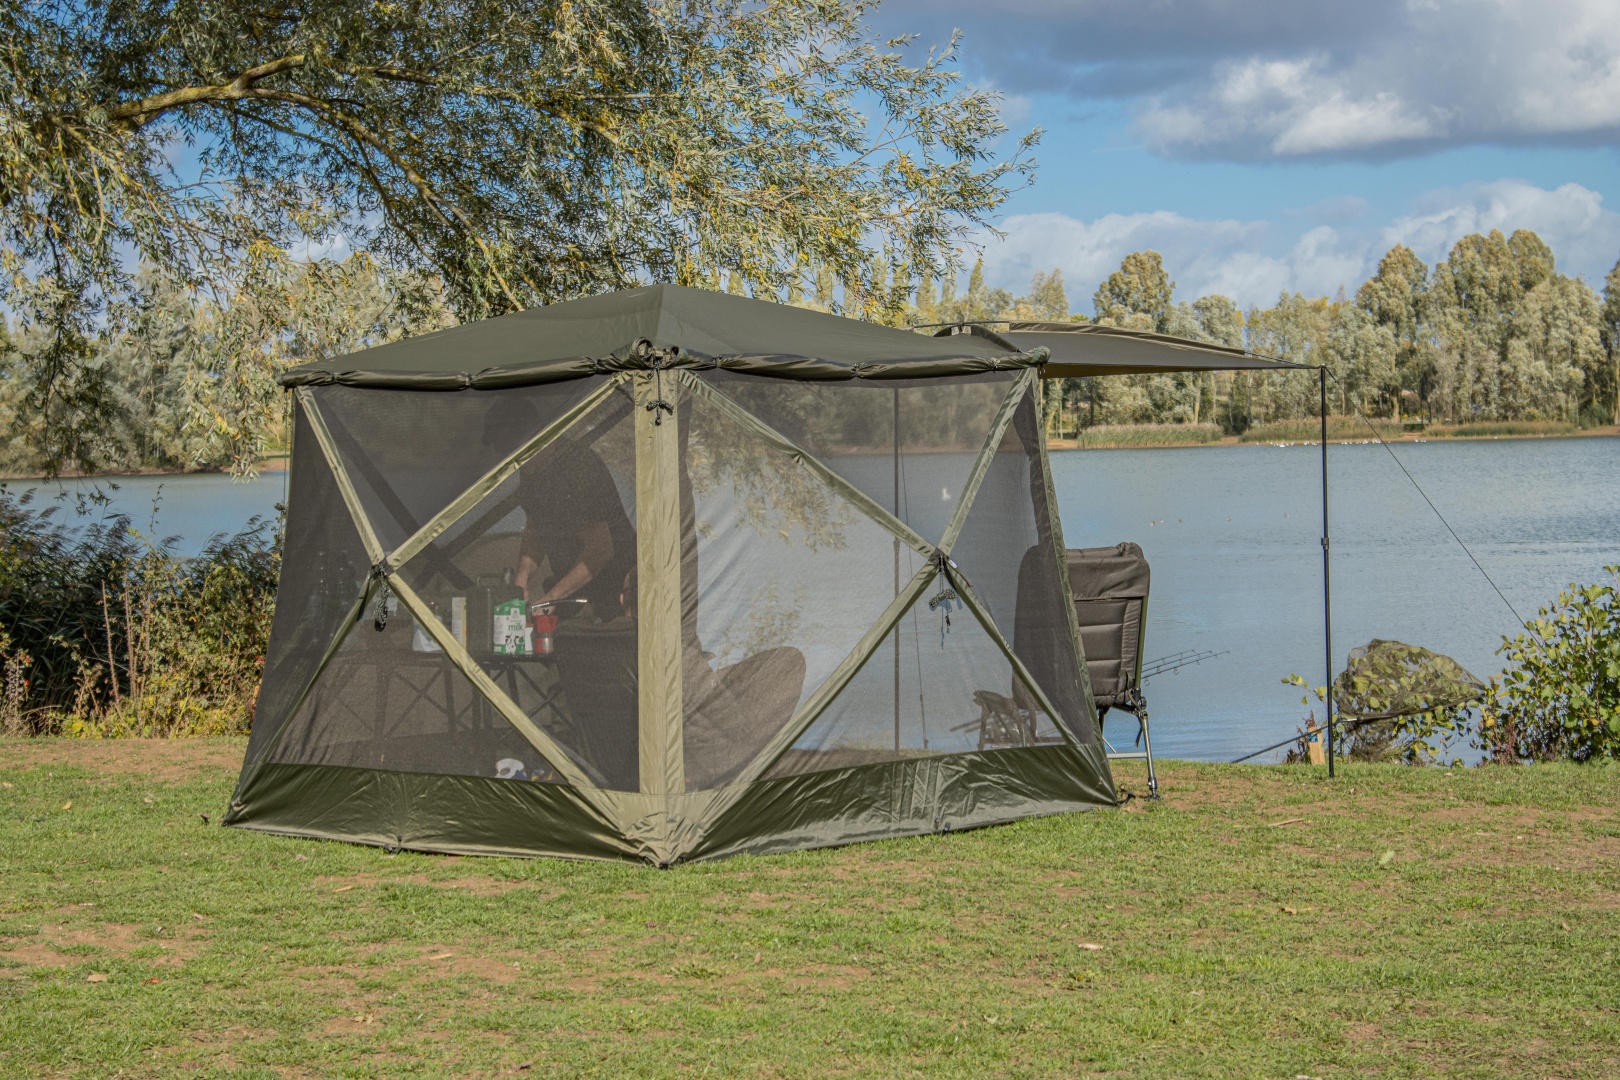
x=1006, y=551
x=387, y=702
x=781, y=577
x=850, y=428
x=409, y=453
x=927, y=690
x=323, y=571
x=536, y=581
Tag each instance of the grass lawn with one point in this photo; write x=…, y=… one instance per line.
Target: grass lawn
x=1260, y=922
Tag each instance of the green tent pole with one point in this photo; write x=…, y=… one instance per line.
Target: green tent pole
x=1327, y=581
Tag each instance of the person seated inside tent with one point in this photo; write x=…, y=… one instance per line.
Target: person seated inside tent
x=574, y=520
x=733, y=711
x=730, y=712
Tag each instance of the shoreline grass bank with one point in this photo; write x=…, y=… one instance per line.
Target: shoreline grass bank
x=1260, y=921
x=1341, y=430
x=272, y=463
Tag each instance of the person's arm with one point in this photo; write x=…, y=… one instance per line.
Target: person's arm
x=596, y=552
x=525, y=570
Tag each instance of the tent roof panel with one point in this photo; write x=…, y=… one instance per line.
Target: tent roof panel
x=597, y=334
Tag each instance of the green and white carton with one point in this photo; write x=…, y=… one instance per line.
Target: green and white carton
x=510, y=632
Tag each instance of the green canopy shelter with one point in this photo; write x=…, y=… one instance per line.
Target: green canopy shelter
x=666, y=575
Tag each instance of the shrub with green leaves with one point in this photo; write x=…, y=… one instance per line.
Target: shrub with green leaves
x=1416, y=738
x=1559, y=697
x=104, y=631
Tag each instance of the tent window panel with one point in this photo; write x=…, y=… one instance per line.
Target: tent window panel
x=561, y=530
x=409, y=453
x=385, y=703
x=850, y=428
x=1006, y=550
x=926, y=691
x=323, y=570
x=781, y=577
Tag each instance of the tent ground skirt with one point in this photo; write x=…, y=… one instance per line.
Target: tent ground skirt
x=941, y=794
x=452, y=815
x=465, y=815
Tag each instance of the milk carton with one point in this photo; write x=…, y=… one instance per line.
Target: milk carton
x=511, y=630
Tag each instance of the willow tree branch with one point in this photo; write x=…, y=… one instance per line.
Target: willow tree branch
x=137, y=114
x=444, y=209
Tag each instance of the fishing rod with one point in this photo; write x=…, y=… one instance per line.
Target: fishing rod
x=1164, y=665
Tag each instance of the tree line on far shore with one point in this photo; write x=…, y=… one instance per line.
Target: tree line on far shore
x=1493, y=332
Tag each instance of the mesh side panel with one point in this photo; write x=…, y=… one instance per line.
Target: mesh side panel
x=1005, y=549
x=571, y=506
x=850, y=428
x=409, y=453
x=383, y=704
x=950, y=693
x=781, y=577
x=323, y=570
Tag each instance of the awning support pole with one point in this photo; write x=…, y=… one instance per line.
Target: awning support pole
x=1327, y=581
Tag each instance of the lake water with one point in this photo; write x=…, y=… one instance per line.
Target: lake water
x=186, y=509
x=1231, y=533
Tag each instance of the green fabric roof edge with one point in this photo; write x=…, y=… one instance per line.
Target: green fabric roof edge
x=1079, y=350
x=659, y=327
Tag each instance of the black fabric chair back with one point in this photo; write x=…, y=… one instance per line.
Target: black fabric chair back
x=1109, y=586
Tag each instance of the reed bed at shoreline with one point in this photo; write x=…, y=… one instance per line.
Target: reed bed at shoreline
x=1355, y=429
x=1340, y=428
x=1494, y=429
x=1125, y=436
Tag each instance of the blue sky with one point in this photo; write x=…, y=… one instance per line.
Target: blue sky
x=1263, y=145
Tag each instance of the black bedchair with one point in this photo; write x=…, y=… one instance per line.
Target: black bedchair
x=1109, y=586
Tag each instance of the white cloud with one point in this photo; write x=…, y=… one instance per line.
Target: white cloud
x=1441, y=72
x=1015, y=110
x=1261, y=79
x=1253, y=261
x=1087, y=252
x=1584, y=235
x=1231, y=257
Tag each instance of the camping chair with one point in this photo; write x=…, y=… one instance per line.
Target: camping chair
x=1109, y=587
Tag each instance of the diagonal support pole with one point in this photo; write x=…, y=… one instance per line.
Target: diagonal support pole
x=987, y=454
x=1060, y=553
x=555, y=755
x=334, y=461
x=498, y=475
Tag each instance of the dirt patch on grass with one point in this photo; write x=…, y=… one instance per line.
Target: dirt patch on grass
x=167, y=760
x=357, y=886
x=79, y=945
x=436, y=961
